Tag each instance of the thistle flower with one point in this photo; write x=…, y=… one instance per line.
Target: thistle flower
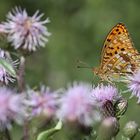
x=11, y=107
x=76, y=105
x=104, y=96
x=5, y=76
x=43, y=102
x=104, y=93
x=26, y=32
x=134, y=85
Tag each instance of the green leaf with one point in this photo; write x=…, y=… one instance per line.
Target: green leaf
x=45, y=135
x=8, y=67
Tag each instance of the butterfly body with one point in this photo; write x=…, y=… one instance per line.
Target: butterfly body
x=119, y=57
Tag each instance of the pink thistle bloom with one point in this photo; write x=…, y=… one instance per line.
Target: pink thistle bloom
x=104, y=96
x=43, y=102
x=11, y=107
x=102, y=93
x=6, y=77
x=134, y=85
x=26, y=32
x=76, y=105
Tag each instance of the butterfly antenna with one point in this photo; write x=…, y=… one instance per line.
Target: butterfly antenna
x=92, y=83
x=82, y=64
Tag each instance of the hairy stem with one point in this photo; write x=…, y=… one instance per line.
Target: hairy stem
x=20, y=75
x=21, y=88
x=26, y=131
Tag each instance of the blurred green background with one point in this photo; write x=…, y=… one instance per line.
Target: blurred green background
x=78, y=29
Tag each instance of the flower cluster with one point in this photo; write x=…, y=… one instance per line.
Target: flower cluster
x=79, y=103
x=26, y=32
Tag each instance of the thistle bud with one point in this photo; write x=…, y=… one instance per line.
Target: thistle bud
x=108, y=128
x=120, y=107
x=130, y=130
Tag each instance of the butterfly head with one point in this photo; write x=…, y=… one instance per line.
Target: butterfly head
x=96, y=71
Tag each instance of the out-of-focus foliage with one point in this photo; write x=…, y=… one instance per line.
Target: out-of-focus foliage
x=78, y=29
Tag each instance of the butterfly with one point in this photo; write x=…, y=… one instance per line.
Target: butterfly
x=119, y=56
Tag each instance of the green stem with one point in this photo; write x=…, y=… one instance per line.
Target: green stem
x=20, y=77
x=21, y=88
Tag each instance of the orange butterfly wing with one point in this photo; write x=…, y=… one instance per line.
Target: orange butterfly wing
x=118, y=54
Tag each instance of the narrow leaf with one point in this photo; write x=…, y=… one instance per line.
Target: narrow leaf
x=45, y=135
x=8, y=67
